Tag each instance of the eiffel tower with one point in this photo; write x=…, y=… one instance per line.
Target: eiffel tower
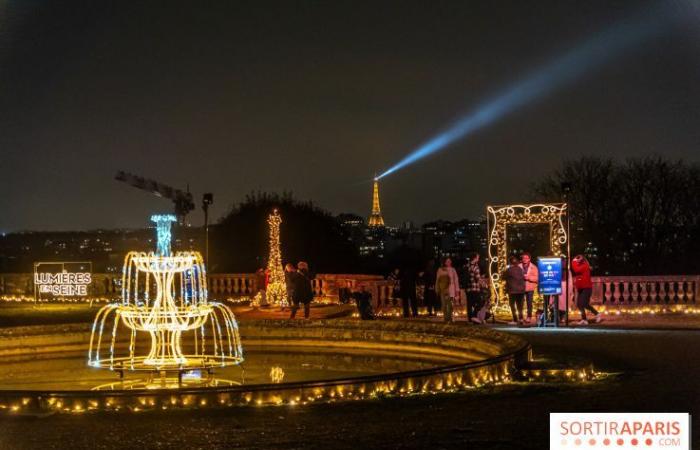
x=375, y=219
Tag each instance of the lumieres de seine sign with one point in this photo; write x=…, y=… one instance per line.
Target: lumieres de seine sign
x=61, y=279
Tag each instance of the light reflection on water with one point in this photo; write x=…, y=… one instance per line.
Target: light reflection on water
x=70, y=371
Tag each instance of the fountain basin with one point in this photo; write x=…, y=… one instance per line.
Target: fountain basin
x=44, y=369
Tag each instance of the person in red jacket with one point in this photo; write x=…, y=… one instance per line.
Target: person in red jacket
x=584, y=288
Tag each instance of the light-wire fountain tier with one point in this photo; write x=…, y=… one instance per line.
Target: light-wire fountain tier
x=164, y=295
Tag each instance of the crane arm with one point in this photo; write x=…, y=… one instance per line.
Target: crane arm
x=183, y=200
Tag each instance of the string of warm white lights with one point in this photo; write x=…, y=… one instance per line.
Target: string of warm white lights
x=276, y=292
x=440, y=382
x=499, y=217
x=178, y=305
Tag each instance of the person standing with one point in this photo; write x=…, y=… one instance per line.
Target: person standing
x=303, y=291
x=407, y=289
x=484, y=312
x=429, y=295
x=363, y=299
x=290, y=273
x=344, y=292
x=584, y=288
x=531, y=279
x=393, y=277
x=473, y=288
x=261, y=286
x=515, y=288
x=447, y=287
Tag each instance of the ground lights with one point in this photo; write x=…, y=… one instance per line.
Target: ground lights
x=450, y=382
x=286, y=395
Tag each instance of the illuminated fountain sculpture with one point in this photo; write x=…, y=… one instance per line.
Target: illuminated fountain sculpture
x=164, y=296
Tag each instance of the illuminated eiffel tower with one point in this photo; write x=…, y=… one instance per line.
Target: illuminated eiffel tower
x=375, y=219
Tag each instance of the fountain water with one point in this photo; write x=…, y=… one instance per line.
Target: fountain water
x=164, y=294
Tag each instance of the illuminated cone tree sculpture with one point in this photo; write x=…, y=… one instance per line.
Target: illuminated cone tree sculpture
x=276, y=293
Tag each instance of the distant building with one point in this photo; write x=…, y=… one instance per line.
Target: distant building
x=433, y=240
x=104, y=248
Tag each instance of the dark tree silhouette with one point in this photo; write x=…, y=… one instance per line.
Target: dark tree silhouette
x=239, y=242
x=634, y=217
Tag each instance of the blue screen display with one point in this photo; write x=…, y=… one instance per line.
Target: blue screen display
x=549, y=275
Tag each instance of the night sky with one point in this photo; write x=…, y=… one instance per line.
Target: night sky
x=314, y=97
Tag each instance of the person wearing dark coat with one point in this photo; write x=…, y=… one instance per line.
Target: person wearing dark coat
x=515, y=288
x=303, y=291
x=289, y=275
x=407, y=291
x=473, y=288
x=344, y=292
x=429, y=295
x=363, y=299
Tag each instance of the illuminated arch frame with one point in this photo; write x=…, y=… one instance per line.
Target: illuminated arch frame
x=499, y=217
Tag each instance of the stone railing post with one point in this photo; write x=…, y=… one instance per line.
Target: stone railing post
x=375, y=296
x=597, y=295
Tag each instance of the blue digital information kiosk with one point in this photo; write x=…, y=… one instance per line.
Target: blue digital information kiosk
x=549, y=284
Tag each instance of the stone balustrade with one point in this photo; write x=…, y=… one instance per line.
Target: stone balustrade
x=646, y=291
x=221, y=285
x=324, y=285
x=232, y=284
x=617, y=291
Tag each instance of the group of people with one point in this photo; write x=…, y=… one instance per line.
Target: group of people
x=299, y=287
x=298, y=282
x=521, y=279
x=442, y=289
x=449, y=285
x=361, y=296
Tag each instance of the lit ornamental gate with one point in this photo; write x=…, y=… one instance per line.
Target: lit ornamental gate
x=499, y=217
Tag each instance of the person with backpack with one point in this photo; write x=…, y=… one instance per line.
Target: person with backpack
x=473, y=288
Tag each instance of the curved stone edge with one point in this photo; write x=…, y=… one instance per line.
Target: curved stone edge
x=504, y=354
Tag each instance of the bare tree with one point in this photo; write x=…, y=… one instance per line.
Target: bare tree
x=634, y=217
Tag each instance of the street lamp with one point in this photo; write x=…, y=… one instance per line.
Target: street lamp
x=207, y=199
x=566, y=196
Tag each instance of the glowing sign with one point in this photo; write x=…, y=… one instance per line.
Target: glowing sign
x=64, y=283
x=549, y=274
x=62, y=279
